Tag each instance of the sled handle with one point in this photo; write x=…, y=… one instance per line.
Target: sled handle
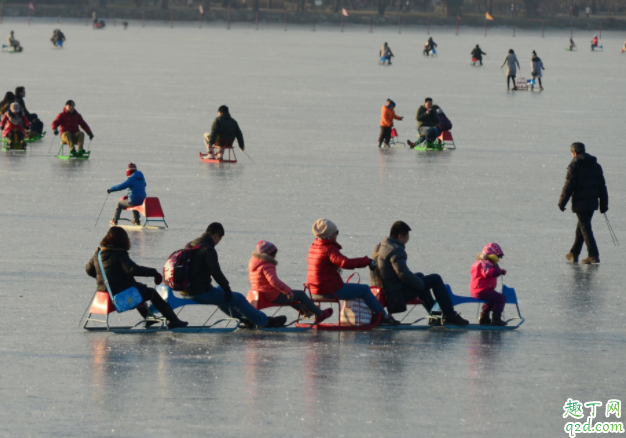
x=350, y=277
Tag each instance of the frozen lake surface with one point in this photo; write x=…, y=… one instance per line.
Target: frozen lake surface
x=309, y=106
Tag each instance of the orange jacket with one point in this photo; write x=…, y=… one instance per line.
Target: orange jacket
x=386, y=117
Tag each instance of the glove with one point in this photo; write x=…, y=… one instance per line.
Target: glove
x=373, y=265
x=109, y=191
x=90, y=136
x=228, y=295
x=503, y=271
x=56, y=132
x=604, y=210
x=158, y=279
x=562, y=207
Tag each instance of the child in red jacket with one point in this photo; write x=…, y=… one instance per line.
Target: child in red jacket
x=485, y=272
x=14, y=120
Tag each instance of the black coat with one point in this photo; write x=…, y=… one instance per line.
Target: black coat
x=204, y=264
x=224, y=129
x=119, y=268
x=585, y=184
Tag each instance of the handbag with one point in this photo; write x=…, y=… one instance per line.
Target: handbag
x=127, y=299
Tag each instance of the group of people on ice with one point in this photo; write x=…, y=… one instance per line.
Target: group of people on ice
x=387, y=265
x=16, y=119
x=512, y=64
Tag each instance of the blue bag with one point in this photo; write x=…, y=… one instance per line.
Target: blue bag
x=127, y=299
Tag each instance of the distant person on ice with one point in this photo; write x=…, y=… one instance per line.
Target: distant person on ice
x=572, y=44
x=14, y=120
x=385, y=54
x=585, y=184
x=485, y=272
x=136, y=185
x=70, y=122
x=57, y=37
x=477, y=55
x=536, y=66
x=387, y=116
x=12, y=42
x=511, y=69
x=223, y=133
x=430, y=45
x=427, y=123
x=594, y=42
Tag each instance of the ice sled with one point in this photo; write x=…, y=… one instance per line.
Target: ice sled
x=597, y=49
x=101, y=306
x=151, y=210
x=394, y=139
x=12, y=143
x=522, y=84
x=423, y=145
x=61, y=156
x=380, y=295
x=35, y=137
x=258, y=302
x=573, y=49
x=475, y=60
x=228, y=156
x=446, y=136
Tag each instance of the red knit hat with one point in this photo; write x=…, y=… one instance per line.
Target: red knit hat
x=265, y=247
x=132, y=168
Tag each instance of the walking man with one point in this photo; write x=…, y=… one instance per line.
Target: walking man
x=585, y=184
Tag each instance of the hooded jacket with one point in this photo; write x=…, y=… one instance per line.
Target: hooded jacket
x=119, y=268
x=263, y=277
x=485, y=275
x=204, y=264
x=136, y=185
x=70, y=122
x=585, y=184
x=387, y=116
x=225, y=129
x=393, y=275
x=324, y=262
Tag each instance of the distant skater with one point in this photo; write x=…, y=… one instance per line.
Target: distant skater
x=536, y=65
x=572, y=44
x=57, y=38
x=387, y=116
x=477, y=55
x=512, y=64
x=12, y=42
x=385, y=54
x=594, y=42
x=429, y=46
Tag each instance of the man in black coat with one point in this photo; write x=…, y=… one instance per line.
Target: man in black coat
x=585, y=184
x=224, y=131
x=36, y=125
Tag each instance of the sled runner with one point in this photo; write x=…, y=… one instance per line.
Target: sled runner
x=35, y=137
x=151, y=210
x=228, y=156
x=395, y=141
x=258, y=302
x=12, y=143
x=84, y=156
x=380, y=295
x=575, y=49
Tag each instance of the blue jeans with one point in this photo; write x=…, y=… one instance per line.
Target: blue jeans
x=237, y=307
x=351, y=291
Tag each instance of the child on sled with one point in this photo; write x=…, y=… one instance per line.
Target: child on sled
x=14, y=120
x=485, y=272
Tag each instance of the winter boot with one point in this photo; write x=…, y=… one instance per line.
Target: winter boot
x=497, y=320
x=276, y=321
x=410, y=143
x=389, y=320
x=327, y=313
x=591, y=260
x=455, y=319
x=247, y=323
x=572, y=257
x=484, y=319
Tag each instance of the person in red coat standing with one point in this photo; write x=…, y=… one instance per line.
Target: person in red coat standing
x=325, y=261
x=70, y=122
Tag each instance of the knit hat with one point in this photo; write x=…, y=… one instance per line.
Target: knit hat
x=391, y=103
x=324, y=228
x=15, y=107
x=265, y=247
x=132, y=168
x=493, y=248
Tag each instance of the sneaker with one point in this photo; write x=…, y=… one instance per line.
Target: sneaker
x=484, y=319
x=456, y=319
x=590, y=260
x=276, y=321
x=113, y=223
x=327, y=313
x=389, y=320
x=497, y=320
x=572, y=257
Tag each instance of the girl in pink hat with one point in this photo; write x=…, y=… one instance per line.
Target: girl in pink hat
x=485, y=272
x=263, y=279
x=14, y=120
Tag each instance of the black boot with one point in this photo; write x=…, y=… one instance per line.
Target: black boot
x=497, y=320
x=145, y=314
x=455, y=319
x=276, y=321
x=484, y=319
x=167, y=312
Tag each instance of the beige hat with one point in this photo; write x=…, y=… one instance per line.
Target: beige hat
x=324, y=229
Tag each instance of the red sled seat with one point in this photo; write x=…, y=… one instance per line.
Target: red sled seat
x=446, y=136
x=380, y=296
x=228, y=156
x=151, y=210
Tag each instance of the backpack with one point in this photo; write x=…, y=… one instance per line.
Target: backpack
x=176, y=269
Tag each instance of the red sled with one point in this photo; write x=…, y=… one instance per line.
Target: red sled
x=228, y=156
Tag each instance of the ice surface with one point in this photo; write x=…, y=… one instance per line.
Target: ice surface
x=309, y=106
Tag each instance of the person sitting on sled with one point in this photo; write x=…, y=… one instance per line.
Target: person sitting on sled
x=12, y=42
x=57, y=36
x=385, y=54
x=477, y=55
x=325, y=262
x=594, y=42
x=70, y=122
x=121, y=271
x=572, y=44
x=387, y=117
x=14, y=120
x=401, y=285
x=485, y=272
x=427, y=123
x=430, y=45
x=136, y=185
x=444, y=122
x=224, y=131
x=264, y=280
x=204, y=265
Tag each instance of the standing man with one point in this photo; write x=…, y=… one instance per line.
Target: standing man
x=70, y=122
x=427, y=122
x=36, y=125
x=585, y=184
x=224, y=131
x=387, y=117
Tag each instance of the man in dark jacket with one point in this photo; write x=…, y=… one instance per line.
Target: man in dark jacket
x=427, y=122
x=36, y=125
x=205, y=265
x=477, y=54
x=585, y=184
x=223, y=133
x=400, y=285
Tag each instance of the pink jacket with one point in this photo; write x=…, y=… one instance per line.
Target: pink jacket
x=263, y=277
x=9, y=126
x=485, y=275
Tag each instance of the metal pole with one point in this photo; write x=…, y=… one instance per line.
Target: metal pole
x=428, y=28
x=400, y=25
x=371, y=25
x=257, y=21
x=342, y=22
x=285, y=22
x=542, y=29
x=228, y=26
x=513, y=27
x=143, y=18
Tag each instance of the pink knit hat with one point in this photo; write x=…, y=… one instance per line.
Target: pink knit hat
x=265, y=247
x=493, y=248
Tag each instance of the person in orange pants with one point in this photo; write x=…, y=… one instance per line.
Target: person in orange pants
x=387, y=117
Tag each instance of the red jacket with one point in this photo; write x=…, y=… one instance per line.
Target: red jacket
x=324, y=262
x=70, y=122
x=8, y=126
x=485, y=275
x=263, y=277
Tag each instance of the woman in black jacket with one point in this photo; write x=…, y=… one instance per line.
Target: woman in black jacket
x=121, y=272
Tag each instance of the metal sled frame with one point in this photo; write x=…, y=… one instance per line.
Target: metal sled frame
x=257, y=301
x=151, y=210
x=378, y=292
x=231, y=158
x=60, y=155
